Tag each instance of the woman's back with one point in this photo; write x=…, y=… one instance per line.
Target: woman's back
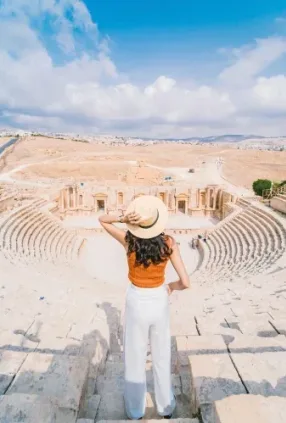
x=150, y=277
x=147, y=260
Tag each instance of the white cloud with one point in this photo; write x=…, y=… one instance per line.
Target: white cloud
x=161, y=85
x=251, y=61
x=271, y=93
x=87, y=91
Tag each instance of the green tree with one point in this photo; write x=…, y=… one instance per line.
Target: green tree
x=260, y=185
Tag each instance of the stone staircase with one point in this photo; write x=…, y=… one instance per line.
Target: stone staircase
x=61, y=358
x=110, y=386
x=215, y=380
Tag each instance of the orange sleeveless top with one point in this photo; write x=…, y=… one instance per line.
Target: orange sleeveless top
x=150, y=277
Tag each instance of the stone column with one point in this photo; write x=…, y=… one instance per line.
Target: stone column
x=200, y=198
x=221, y=201
x=214, y=198
x=74, y=198
x=208, y=198
x=61, y=201
x=69, y=198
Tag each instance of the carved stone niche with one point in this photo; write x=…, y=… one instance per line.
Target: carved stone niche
x=182, y=201
x=100, y=202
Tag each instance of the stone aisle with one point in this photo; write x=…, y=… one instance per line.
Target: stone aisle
x=110, y=386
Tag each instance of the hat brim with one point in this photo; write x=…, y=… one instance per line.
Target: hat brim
x=159, y=226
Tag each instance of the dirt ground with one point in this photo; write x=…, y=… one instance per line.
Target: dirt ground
x=245, y=166
x=55, y=158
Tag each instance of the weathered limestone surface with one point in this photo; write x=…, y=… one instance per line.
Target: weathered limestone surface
x=50, y=344
x=215, y=326
x=207, y=412
x=257, y=344
x=280, y=325
x=214, y=377
x=53, y=376
x=90, y=407
x=263, y=373
x=250, y=409
x=10, y=363
x=182, y=325
x=25, y=408
x=17, y=341
x=258, y=326
x=200, y=346
x=15, y=322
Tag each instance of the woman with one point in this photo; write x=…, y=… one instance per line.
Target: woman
x=148, y=250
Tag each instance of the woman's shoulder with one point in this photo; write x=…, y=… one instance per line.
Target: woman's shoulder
x=170, y=241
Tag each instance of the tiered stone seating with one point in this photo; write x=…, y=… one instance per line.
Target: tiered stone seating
x=31, y=234
x=243, y=203
x=251, y=242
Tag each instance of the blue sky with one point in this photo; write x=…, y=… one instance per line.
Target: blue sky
x=178, y=34
x=144, y=67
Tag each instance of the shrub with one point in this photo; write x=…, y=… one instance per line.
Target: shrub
x=260, y=185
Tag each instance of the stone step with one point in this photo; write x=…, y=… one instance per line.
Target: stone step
x=213, y=376
x=263, y=373
x=90, y=407
x=10, y=363
x=26, y=408
x=58, y=377
x=250, y=409
x=110, y=386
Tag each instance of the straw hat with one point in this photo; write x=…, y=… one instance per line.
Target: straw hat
x=154, y=214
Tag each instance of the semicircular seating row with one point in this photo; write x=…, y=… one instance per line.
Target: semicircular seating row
x=249, y=243
x=31, y=235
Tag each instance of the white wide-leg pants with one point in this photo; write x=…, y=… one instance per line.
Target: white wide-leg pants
x=147, y=312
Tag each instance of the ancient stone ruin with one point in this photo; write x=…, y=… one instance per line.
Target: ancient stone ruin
x=61, y=322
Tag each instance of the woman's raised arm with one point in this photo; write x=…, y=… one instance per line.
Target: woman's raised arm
x=107, y=222
x=178, y=264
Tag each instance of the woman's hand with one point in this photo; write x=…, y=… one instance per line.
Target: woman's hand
x=133, y=218
x=177, y=286
x=169, y=289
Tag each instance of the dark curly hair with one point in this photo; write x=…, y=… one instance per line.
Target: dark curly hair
x=153, y=250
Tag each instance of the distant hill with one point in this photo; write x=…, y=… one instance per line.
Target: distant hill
x=214, y=138
x=226, y=138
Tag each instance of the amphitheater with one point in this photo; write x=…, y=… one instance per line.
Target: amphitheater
x=63, y=284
